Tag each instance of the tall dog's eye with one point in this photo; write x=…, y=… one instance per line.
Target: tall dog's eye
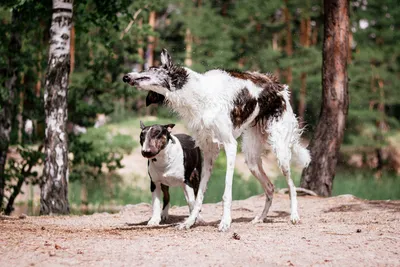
x=142, y=79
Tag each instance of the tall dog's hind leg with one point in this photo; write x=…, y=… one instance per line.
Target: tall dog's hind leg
x=281, y=138
x=210, y=155
x=164, y=213
x=230, y=149
x=253, y=145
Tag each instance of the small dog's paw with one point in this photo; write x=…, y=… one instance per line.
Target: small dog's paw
x=257, y=220
x=154, y=222
x=294, y=218
x=224, y=225
x=186, y=224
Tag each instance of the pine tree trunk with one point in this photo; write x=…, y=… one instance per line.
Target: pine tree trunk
x=151, y=40
x=54, y=189
x=6, y=104
x=302, y=99
x=139, y=66
x=305, y=36
x=328, y=136
x=188, y=43
x=289, y=44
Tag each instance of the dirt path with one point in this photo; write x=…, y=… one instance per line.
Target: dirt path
x=339, y=231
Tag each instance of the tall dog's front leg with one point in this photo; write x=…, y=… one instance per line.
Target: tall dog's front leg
x=156, y=195
x=210, y=155
x=230, y=149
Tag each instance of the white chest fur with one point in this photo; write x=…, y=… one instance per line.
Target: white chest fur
x=168, y=167
x=205, y=104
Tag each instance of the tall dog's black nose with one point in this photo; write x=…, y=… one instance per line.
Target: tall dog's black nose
x=126, y=79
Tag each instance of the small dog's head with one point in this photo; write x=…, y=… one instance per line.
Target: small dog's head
x=154, y=138
x=167, y=77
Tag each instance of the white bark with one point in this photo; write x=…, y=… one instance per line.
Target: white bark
x=54, y=191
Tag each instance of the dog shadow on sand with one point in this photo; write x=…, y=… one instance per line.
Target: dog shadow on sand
x=174, y=220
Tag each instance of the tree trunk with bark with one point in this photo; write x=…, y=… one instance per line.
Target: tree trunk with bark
x=328, y=136
x=305, y=36
x=54, y=189
x=6, y=104
x=289, y=43
x=151, y=39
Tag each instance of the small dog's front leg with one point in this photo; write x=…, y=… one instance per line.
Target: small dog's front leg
x=156, y=203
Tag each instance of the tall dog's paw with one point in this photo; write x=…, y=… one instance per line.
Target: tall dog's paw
x=164, y=216
x=224, y=225
x=154, y=221
x=294, y=218
x=200, y=220
x=186, y=224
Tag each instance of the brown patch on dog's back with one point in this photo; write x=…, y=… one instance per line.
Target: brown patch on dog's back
x=271, y=101
x=243, y=106
x=259, y=79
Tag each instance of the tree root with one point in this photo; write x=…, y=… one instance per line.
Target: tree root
x=300, y=190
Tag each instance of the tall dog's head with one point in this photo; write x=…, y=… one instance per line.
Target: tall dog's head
x=154, y=138
x=167, y=77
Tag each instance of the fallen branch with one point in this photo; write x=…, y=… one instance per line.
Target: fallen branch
x=298, y=190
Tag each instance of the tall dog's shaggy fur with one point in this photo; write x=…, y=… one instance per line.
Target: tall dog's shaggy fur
x=218, y=107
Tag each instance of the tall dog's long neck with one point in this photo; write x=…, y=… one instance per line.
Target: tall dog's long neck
x=190, y=99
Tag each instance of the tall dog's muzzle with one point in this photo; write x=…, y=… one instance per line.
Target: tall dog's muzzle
x=126, y=79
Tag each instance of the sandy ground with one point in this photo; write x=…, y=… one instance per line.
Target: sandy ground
x=338, y=231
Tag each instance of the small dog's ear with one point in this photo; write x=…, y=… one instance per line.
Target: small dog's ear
x=169, y=127
x=166, y=59
x=142, y=125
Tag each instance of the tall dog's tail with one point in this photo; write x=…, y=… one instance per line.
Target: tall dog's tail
x=291, y=130
x=302, y=155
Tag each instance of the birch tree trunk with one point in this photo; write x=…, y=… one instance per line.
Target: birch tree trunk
x=54, y=189
x=328, y=136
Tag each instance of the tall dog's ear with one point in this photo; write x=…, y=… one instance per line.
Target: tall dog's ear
x=142, y=125
x=166, y=59
x=169, y=127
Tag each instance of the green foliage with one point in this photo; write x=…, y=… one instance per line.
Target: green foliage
x=99, y=148
x=20, y=170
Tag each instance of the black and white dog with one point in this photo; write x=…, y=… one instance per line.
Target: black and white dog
x=219, y=106
x=174, y=160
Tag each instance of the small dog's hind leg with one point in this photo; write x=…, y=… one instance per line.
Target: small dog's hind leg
x=166, y=203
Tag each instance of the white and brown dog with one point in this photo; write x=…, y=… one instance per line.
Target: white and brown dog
x=174, y=160
x=218, y=107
